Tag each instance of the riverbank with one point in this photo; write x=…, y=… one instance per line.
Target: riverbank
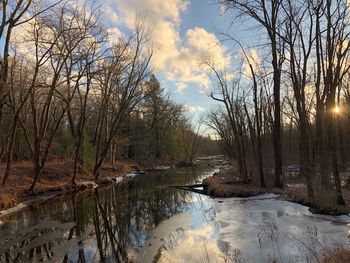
x=253, y=228
x=56, y=180
x=226, y=184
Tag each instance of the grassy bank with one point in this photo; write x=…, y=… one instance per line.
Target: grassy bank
x=226, y=183
x=336, y=255
x=223, y=185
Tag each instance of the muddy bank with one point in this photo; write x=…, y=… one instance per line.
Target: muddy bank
x=56, y=180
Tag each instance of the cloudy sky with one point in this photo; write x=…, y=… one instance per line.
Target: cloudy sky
x=184, y=34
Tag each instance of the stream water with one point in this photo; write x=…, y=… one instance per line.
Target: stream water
x=142, y=220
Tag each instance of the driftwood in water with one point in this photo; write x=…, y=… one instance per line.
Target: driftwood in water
x=192, y=188
x=185, y=164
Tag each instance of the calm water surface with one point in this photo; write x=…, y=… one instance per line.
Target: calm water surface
x=143, y=221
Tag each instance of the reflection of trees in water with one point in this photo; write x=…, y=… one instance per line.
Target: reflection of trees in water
x=46, y=240
x=208, y=212
x=110, y=229
x=124, y=214
x=98, y=227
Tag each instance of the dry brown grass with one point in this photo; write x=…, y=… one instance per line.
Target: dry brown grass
x=324, y=201
x=7, y=198
x=226, y=184
x=234, y=190
x=336, y=255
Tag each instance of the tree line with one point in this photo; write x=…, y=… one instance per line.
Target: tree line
x=288, y=101
x=71, y=89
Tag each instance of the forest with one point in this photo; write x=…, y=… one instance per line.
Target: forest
x=86, y=106
x=71, y=91
x=289, y=101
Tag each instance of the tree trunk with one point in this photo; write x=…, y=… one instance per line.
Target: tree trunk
x=38, y=167
x=305, y=160
x=76, y=161
x=10, y=151
x=276, y=132
x=277, y=146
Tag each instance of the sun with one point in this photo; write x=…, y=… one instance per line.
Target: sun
x=337, y=109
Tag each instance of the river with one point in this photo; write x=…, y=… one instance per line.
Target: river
x=143, y=220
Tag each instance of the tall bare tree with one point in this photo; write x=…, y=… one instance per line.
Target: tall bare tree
x=268, y=15
x=332, y=29
x=300, y=40
x=228, y=93
x=56, y=36
x=121, y=90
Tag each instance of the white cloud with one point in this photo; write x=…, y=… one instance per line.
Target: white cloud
x=187, y=66
x=192, y=108
x=178, y=57
x=181, y=245
x=114, y=35
x=254, y=60
x=108, y=11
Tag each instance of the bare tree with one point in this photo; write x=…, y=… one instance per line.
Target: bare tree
x=228, y=93
x=332, y=56
x=267, y=14
x=300, y=39
x=56, y=36
x=218, y=121
x=80, y=80
x=13, y=14
x=255, y=133
x=121, y=90
x=190, y=137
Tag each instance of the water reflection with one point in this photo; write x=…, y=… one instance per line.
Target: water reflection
x=109, y=225
x=143, y=221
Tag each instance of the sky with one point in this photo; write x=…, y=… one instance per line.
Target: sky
x=184, y=33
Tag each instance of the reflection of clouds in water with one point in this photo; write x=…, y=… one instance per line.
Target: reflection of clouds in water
x=193, y=240
x=192, y=245
x=140, y=220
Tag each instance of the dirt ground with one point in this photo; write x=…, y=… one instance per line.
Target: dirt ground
x=55, y=177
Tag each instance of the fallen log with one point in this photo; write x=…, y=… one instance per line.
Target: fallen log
x=192, y=188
